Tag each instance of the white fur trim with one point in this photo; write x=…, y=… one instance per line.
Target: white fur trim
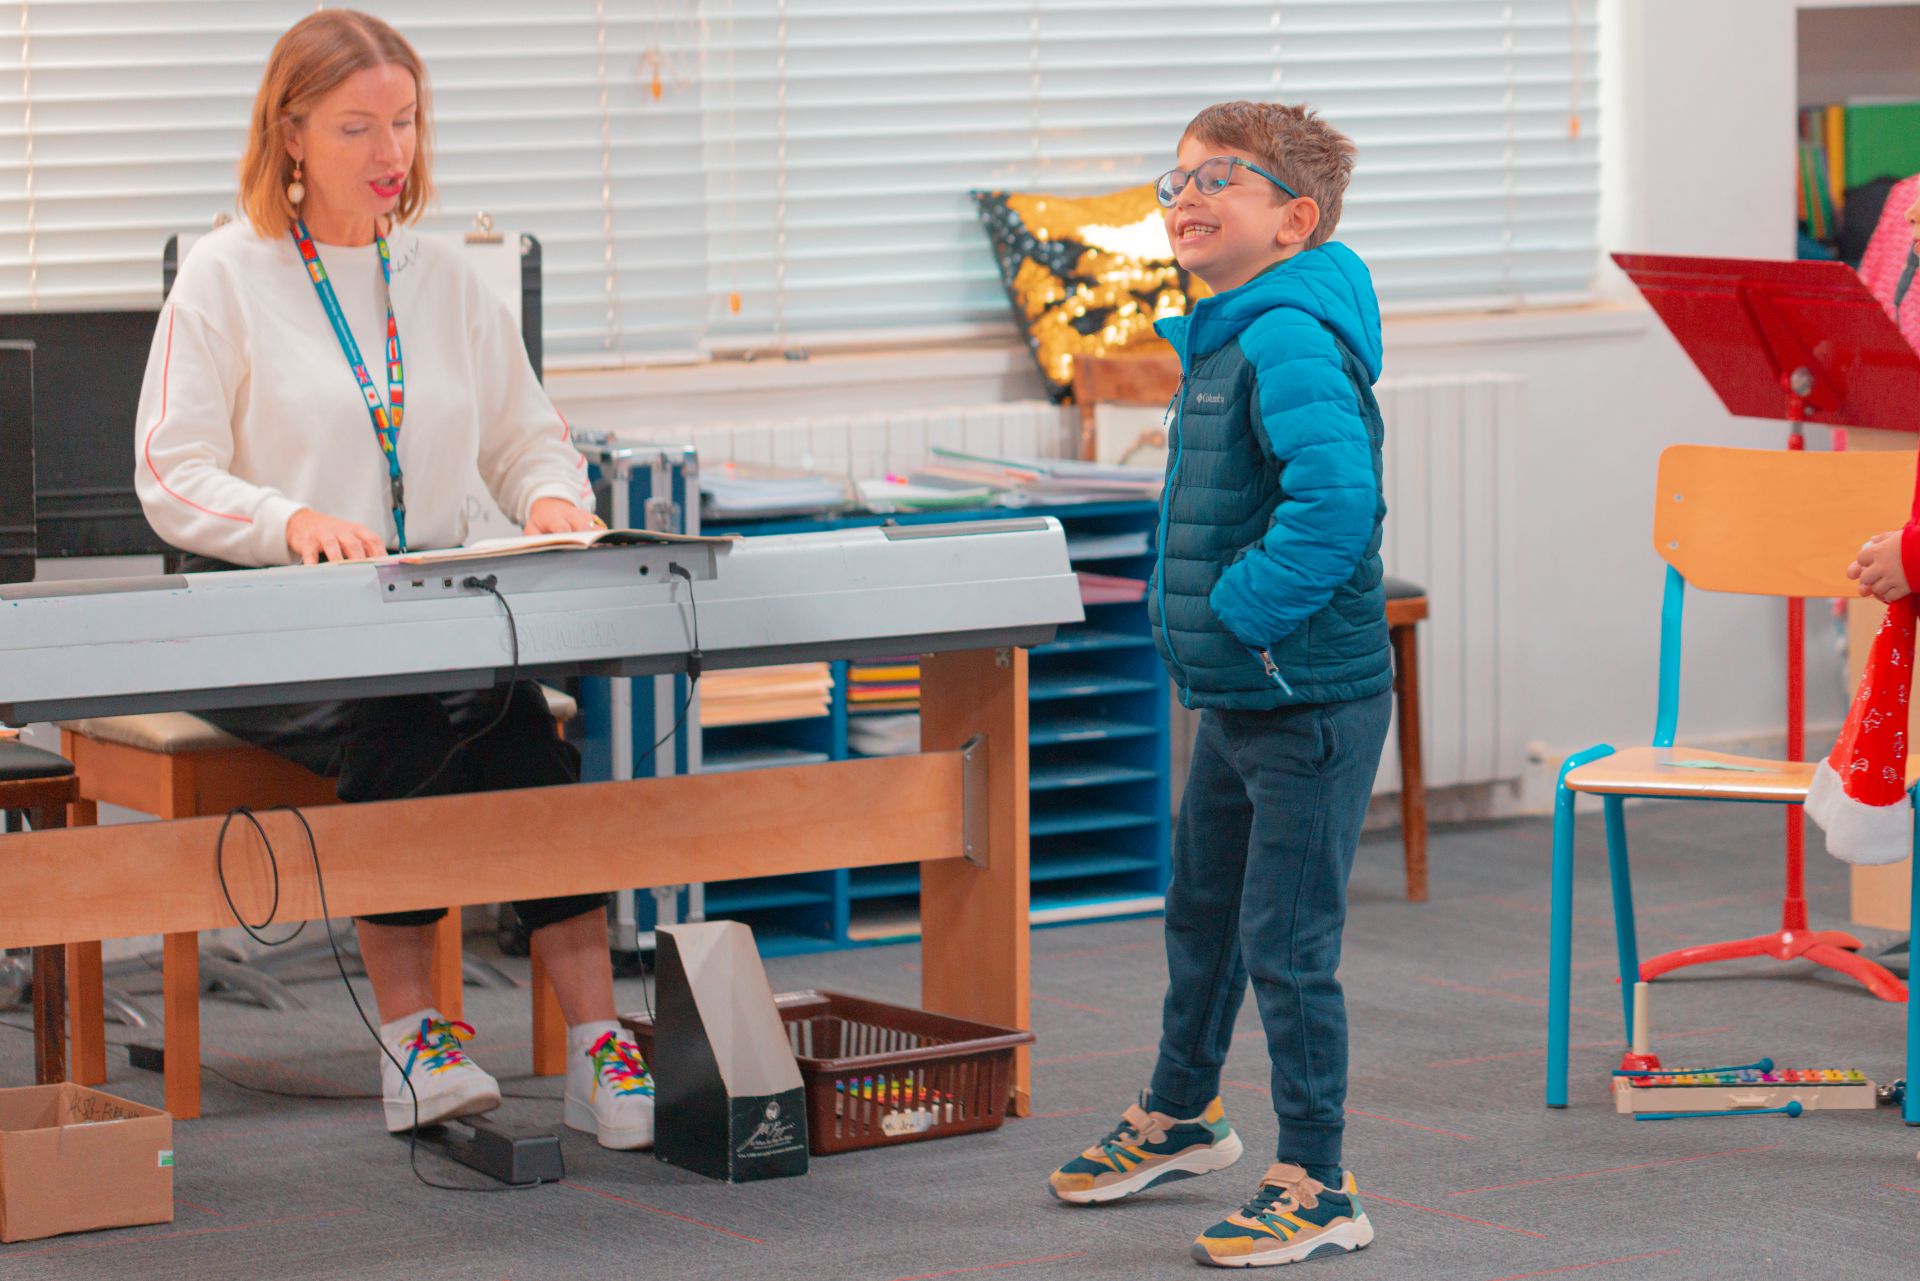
x=1858, y=832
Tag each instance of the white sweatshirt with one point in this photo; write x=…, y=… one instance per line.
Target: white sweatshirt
x=250, y=411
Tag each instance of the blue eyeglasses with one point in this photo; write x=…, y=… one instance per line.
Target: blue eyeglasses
x=1212, y=175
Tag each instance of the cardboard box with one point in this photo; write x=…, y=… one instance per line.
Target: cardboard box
x=75, y=1160
x=731, y=1102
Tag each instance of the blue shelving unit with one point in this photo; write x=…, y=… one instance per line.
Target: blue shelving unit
x=1098, y=771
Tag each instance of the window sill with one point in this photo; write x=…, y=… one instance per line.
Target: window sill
x=1004, y=370
x=1549, y=324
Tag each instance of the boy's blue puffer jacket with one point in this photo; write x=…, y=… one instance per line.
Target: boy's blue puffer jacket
x=1270, y=523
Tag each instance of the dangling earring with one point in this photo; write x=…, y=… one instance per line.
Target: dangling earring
x=296, y=190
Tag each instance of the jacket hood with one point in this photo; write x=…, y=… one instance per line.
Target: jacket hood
x=1329, y=283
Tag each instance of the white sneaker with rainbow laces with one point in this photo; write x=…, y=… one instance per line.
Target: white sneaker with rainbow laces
x=609, y=1090
x=427, y=1046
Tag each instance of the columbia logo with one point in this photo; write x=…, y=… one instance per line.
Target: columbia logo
x=1210, y=398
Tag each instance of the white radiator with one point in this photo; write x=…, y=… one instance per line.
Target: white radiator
x=867, y=446
x=1452, y=468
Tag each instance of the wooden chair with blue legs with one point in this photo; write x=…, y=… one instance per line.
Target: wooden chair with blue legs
x=1752, y=521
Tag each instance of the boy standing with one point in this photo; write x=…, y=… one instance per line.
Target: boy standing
x=1268, y=610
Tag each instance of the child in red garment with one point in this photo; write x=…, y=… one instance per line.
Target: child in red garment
x=1889, y=564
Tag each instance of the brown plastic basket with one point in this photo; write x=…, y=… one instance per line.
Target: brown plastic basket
x=878, y=1074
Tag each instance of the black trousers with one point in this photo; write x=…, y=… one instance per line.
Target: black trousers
x=381, y=749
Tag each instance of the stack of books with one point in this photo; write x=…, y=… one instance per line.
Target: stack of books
x=883, y=685
x=741, y=696
x=1846, y=146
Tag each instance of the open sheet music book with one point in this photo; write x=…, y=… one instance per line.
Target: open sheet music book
x=575, y=540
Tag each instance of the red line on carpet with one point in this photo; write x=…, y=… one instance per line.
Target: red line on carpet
x=291, y=1073
x=1540, y=1051
x=1058, y=1059
x=1412, y=1125
x=1541, y=971
x=1597, y=1263
x=1375, y=1195
x=1542, y=908
x=143, y=1237
x=1450, y=985
x=1371, y=1116
x=994, y=1267
x=1115, y=950
x=667, y=1214
x=1729, y=900
x=1618, y=1169
x=1071, y=1005
x=1094, y=1054
x=191, y=1205
x=1897, y=1188
x=356, y=1121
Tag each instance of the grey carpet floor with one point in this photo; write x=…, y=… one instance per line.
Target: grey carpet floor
x=1469, y=1175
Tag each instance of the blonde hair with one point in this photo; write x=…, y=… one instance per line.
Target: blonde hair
x=1294, y=142
x=311, y=60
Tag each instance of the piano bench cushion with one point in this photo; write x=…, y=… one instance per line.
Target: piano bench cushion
x=19, y=763
x=168, y=733
x=174, y=733
x=1401, y=589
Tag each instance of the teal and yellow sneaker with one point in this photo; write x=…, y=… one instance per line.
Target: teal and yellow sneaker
x=1292, y=1217
x=1145, y=1149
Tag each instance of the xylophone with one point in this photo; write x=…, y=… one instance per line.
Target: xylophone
x=1642, y=1086
x=1745, y=1088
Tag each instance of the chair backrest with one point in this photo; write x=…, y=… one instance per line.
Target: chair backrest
x=1775, y=522
x=1147, y=378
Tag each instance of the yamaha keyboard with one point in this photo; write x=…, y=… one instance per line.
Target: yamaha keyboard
x=184, y=642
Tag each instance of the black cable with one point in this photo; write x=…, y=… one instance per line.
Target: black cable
x=346, y=981
x=273, y=864
x=491, y=585
x=694, y=661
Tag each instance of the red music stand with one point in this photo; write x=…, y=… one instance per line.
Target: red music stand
x=1807, y=343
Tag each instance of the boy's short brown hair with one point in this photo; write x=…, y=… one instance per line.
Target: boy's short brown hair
x=1295, y=143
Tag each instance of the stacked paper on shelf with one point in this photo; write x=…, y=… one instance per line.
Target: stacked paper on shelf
x=884, y=735
x=730, y=489
x=759, y=756
x=919, y=492
x=792, y=691
x=1109, y=589
x=1047, y=480
x=883, y=685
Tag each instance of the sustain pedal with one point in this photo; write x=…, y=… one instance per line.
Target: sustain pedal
x=512, y=1154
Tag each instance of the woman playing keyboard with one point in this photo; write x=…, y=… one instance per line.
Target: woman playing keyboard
x=324, y=385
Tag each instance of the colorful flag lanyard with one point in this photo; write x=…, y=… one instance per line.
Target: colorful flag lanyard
x=386, y=417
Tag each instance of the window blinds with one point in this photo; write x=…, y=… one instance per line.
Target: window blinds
x=715, y=174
